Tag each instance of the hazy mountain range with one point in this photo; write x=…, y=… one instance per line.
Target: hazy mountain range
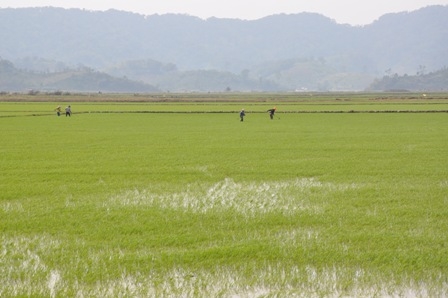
x=74, y=48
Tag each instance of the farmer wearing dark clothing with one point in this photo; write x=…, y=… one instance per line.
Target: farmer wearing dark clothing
x=68, y=111
x=242, y=114
x=272, y=112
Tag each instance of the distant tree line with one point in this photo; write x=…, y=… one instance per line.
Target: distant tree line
x=433, y=81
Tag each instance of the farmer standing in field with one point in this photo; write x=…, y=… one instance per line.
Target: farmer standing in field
x=242, y=114
x=58, y=110
x=272, y=112
x=68, y=111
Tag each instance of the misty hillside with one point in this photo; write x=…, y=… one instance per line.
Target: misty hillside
x=82, y=79
x=434, y=81
x=282, y=52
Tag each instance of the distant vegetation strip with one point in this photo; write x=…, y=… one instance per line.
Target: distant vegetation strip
x=230, y=98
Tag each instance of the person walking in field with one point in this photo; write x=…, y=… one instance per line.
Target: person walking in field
x=68, y=111
x=58, y=110
x=272, y=112
x=242, y=114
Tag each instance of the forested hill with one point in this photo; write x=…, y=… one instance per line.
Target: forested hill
x=302, y=50
x=82, y=79
x=433, y=81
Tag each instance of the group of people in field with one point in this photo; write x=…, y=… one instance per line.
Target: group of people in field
x=68, y=111
x=270, y=111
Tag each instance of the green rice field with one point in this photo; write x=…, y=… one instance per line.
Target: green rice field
x=172, y=196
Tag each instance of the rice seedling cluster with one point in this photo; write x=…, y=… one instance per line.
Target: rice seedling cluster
x=248, y=199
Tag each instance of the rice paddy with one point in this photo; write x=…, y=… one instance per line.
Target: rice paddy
x=181, y=199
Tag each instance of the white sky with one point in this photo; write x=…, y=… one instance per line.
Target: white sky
x=354, y=12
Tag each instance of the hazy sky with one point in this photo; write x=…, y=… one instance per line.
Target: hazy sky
x=354, y=12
